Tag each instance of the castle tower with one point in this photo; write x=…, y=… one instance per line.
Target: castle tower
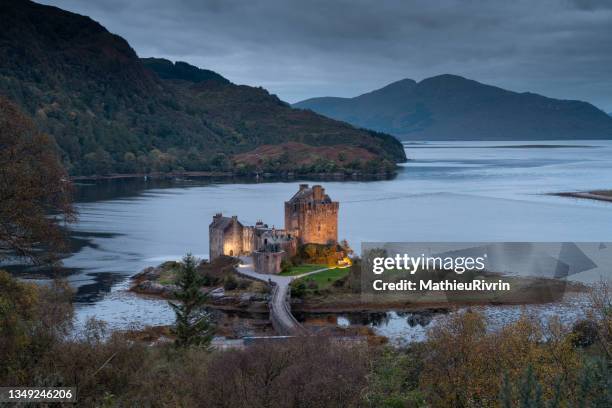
x=311, y=216
x=226, y=237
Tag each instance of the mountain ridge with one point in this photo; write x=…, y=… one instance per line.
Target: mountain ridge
x=182, y=71
x=451, y=107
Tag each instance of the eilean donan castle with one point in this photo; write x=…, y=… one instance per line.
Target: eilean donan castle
x=310, y=217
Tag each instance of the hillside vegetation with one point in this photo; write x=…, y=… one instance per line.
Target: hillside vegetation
x=111, y=112
x=463, y=362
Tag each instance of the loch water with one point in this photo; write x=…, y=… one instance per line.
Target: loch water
x=448, y=191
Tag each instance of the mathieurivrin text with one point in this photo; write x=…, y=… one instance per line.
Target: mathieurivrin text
x=412, y=264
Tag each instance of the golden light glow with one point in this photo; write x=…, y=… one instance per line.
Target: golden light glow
x=345, y=262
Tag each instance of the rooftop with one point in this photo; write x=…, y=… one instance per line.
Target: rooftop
x=219, y=221
x=314, y=193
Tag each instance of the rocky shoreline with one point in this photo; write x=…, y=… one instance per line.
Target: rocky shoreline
x=147, y=283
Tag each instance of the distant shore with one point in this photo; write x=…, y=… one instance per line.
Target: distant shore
x=157, y=175
x=600, y=195
x=229, y=175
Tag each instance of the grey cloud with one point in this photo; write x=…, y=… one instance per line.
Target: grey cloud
x=300, y=49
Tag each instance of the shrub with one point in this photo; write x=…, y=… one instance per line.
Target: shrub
x=584, y=333
x=466, y=362
x=286, y=265
x=340, y=282
x=306, y=372
x=244, y=284
x=318, y=254
x=230, y=283
x=33, y=319
x=298, y=289
x=209, y=280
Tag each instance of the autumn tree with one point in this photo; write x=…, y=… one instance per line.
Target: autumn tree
x=35, y=192
x=467, y=364
x=33, y=319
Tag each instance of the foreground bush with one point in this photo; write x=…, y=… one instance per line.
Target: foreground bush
x=462, y=364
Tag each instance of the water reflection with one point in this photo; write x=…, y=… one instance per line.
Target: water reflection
x=100, y=284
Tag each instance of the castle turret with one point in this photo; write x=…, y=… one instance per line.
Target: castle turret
x=312, y=216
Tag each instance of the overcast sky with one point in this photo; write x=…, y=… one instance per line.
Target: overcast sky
x=302, y=49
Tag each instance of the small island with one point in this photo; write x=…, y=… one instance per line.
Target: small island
x=274, y=273
x=243, y=258
x=600, y=195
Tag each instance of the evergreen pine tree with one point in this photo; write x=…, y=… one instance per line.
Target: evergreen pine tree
x=193, y=327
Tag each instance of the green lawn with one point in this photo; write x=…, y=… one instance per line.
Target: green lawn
x=300, y=269
x=326, y=278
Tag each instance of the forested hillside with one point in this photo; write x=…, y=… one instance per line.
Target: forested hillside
x=111, y=112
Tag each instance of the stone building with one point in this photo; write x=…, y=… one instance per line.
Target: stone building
x=227, y=236
x=268, y=246
x=271, y=238
x=275, y=247
x=312, y=216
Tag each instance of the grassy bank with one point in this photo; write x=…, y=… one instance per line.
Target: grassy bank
x=318, y=284
x=301, y=269
x=325, y=279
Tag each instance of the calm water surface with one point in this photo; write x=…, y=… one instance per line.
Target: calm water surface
x=449, y=191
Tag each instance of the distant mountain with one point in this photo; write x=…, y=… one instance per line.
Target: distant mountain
x=450, y=107
x=110, y=111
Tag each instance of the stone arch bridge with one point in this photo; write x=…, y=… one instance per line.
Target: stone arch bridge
x=281, y=317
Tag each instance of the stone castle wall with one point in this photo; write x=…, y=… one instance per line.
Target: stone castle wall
x=248, y=240
x=215, y=240
x=227, y=239
x=313, y=222
x=268, y=262
x=232, y=245
x=289, y=247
